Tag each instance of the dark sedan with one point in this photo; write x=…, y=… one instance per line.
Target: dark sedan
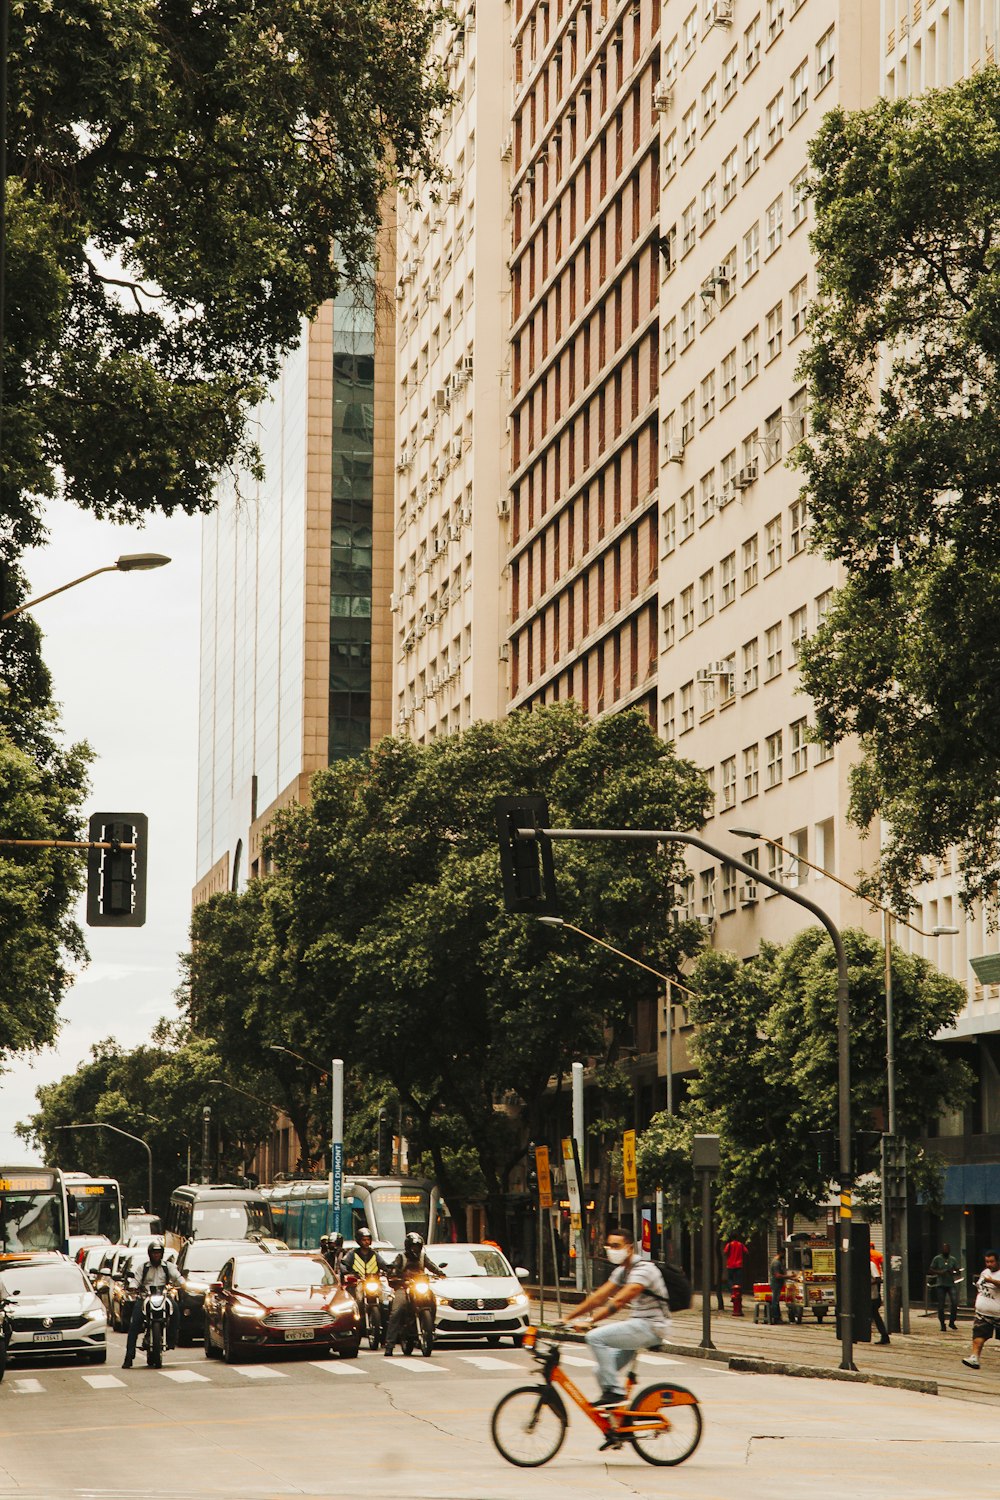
x=199, y=1264
x=264, y=1303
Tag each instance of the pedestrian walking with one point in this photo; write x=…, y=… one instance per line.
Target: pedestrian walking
x=875, y=1267
x=941, y=1275
x=986, y=1313
x=776, y=1276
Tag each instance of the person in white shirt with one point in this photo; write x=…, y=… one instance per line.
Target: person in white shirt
x=634, y=1284
x=986, y=1320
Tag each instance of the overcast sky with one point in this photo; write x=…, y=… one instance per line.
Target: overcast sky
x=123, y=652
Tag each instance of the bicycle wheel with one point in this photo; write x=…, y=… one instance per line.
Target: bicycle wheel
x=663, y=1424
x=528, y=1426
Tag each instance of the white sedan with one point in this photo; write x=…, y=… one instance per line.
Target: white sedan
x=480, y=1295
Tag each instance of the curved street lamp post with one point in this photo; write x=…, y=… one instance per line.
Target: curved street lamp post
x=103, y=1125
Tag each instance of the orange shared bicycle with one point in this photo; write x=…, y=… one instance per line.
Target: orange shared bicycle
x=662, y=1422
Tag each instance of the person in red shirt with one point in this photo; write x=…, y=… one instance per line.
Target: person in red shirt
x=734, y=1253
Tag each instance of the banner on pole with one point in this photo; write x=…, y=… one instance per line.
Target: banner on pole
x=573, y=1191
x=631, y=1184
x=544, y=1176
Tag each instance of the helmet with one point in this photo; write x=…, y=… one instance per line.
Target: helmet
x=364, y=1233
x=331, y=1242
x=413, y=1243
x=336, y=1241
x=154, y=1244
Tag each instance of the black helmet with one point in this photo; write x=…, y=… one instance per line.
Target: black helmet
x=414, y=1243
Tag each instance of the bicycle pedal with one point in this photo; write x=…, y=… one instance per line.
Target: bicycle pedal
x=609, y=1442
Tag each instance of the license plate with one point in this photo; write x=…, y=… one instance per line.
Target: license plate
x=47, y=1338
x=481, y=1317
x=294, y=1334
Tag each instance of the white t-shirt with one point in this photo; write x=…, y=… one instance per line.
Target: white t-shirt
x=648, y=1304
x=988, y=1294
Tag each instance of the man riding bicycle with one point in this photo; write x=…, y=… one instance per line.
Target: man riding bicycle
x=638, y=1286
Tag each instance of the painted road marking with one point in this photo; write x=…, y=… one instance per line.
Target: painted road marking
x=28, y=1387
x=419, y=1367
x=487, y=1362
x=335, y=1367
x=260, y=1372
x=183, y=1377
x=103, y=1382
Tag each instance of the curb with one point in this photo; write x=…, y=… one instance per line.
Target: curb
x=815, y=1372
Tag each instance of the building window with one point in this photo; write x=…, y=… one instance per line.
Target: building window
x=708, y=204
x=667, y=717
x=824, y=751
x=728, y=874
x=687, y=707
x=797, y=303
x=775, y=116
x=772, y=329
x=772, y=546
x=707, y=496
x=772, y=438
x=775, y=864
x=670, y=55
x=751, y=355
x=687, y=324
x=730, y=172
x=751, y=251
x=772, y=226
x=669, y=628
x=799, y=197
x=772, y=648
x=668, y=250
x=687, y=610
x=775, y=19
x=727, y=679
x=727, y=289
x=751, y=761
x=797, y=416
x=749, y=447
x=707, y=595
x=798, y=852
x=670, y=157
x=800, y=90
x=708, y=398
x=707, y=311
x=689, y=131
x=798, y=738
x=730, y=73
x=750, y=666
x=750, y=563
x=798, y=629
x=751, y=151
x=727, y=471
x=729, y=782
x=689, y=35
x=669, y=343
x=687, y=515
x=728, y=377
x=689, y=228
x=669, y=530
x=751, y=46
x=773, y=757
x=709, y=103
x=687, y=419
x=727, y=579
x=823, y=604
x=825, y=58
x=798, y=522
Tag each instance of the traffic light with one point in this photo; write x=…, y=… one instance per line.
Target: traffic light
x=116, y=877
x=526, y=868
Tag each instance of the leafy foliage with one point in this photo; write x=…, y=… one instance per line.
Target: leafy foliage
x=902, y=468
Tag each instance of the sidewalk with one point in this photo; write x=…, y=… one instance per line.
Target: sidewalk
x=926, y=1355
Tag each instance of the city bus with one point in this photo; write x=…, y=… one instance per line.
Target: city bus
x=390, y=1206
x=217, y=1211
x=44, y=1208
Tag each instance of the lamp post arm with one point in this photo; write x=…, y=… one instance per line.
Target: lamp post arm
x=103, y=1125
x=30, y=603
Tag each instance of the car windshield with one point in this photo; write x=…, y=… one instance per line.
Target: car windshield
x=230, y=1221
x=43, y=1280
x=209, y=1258
x=470, y=1262
x=272, y=1271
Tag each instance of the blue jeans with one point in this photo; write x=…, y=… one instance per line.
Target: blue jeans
x=614, y=1344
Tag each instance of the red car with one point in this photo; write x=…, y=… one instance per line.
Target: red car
x=263, y=1303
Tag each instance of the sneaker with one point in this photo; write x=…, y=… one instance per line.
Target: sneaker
x=387, y=1353
x=972, y=1360
x=610, y=1398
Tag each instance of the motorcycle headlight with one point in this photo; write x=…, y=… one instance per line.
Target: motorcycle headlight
x=519, y=1299
x=421, y=1288
x=372, y=1288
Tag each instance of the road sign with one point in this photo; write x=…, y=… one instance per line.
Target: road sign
x=573, y=1192
x=544, y=1176
x=628, y=1164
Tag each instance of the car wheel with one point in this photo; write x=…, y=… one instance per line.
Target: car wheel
x=493, y=1339
x=349, y=1353
x=518, y=1340
x=228, y=1352
x=210, y=1350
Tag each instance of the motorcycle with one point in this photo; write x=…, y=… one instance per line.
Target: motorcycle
x=421, y=1305
x=155, y=1320
x=368, y=1292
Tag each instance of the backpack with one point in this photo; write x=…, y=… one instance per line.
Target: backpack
x=677, y=1284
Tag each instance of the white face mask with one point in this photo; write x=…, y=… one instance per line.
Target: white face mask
x=616, y=1257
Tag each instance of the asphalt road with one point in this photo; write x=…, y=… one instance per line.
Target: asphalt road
x=419, y=1429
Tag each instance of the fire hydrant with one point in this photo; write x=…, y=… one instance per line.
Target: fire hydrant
x=737, y=1295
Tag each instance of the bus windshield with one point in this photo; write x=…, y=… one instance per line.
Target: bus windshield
x=31, y=1211
x=231, y=1221
x=398, y=1210
x=95, y=1209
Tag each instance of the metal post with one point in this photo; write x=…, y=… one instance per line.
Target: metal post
x=555, y=1264
x=581, y=1246
x=337, y=1142
x=206, y=1123
x=541, y=1263
x=706, y=1260
x=902, y=1187
x=670, y=1048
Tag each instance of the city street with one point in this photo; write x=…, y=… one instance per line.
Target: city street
x=419, y=1428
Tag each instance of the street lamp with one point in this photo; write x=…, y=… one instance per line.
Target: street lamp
x=222, y=1083
x=888, y=918
x=129, y=562
x=103, y=1125
x=336, y=1123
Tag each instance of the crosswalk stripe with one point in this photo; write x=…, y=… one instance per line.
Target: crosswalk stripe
x=28, y=1387
x=575, y=1359
x=103, y=1382
x=487, y=1362
x=418, y=1367
x=658, y=1359
x=260, y=1372
x=335, y=1367
x=183, y=1377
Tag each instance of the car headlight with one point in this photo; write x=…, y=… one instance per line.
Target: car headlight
x=519, y=1299
x=97, y=1315
x=242, y=1308
x=444, y=1302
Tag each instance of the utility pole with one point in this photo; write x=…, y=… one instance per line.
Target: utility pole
x=206, y=1145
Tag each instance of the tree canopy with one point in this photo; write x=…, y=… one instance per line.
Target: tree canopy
x=902, y=468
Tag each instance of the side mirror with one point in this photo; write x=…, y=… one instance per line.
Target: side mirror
x=521, y=1272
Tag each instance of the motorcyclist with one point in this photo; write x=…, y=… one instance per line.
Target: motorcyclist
x=331, y=1247
x=363, y=1262
x=156, y=1272
x=413, y=1261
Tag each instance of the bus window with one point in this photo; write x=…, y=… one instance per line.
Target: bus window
x=398, y=1210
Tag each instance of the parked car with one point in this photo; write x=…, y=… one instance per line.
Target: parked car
x=123, y=1290
x=199, y=1264
x=52, y=1308
x=262, y=1303
x=480, y=1295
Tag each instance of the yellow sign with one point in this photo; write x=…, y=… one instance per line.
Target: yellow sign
x=628, y=1164
x=544, y=1177
x=25, y=1182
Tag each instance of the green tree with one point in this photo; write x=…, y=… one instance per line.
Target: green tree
x=178, y=177
x=902, y=468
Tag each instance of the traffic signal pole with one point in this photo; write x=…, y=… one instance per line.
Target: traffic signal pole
x=532, y=888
